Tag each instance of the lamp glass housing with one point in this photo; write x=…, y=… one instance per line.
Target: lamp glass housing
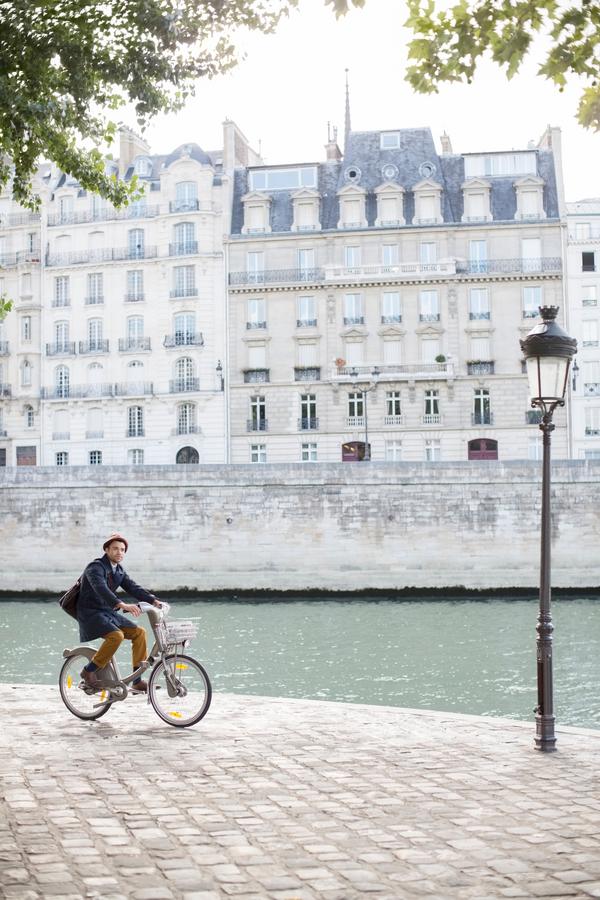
x=547, y=377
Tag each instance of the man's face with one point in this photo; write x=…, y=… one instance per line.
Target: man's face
x=115, y=551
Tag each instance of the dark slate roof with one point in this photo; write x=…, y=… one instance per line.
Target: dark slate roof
x=193, y=150
x=363, y=152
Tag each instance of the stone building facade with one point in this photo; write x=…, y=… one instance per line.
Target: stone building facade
x=379, y=298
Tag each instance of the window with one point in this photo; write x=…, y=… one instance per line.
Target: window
x=354, y=353
x=531, y=254
x=529, y=204
x=390, y=255
x=25, y=328
x=534, y=448
x=258, y=453
x=308, y=412
x=389, y=140
x=306, y=311
x=582, y=231
x=25, y=285
x=184, y=374
x=392, y=403
x=589, y=333
x=356, y=405
x=135, y=330
x=135, y=285
x=61, y=336
x=65, y=209
x=95, y=457
x=186, y=418
x=433, y=450
x=256, y=215
x=532, y=300
x=588, y=262
x=481, y=407
x=427, y=253
x=392, y=352
x=135, y=457
x=29, y=417
x=523, y=163
x=94, y=330
x=477, y=205
x=478, y=257
x=135, y=421
x=309, y=453
x=135, y=243
x=430, y=348
x=61, y=291
x=186, y=196
x=592, y=421
x=429, y=306
x=352, y=257
x=257, y=357
x=432, y=404
x=255, y=267
x=94, y=426
x=479, y=303
x=307, y=354
x=95, y=288
x=480, y=348
x=306, y=213
x=257, y=313
x=184, y=281
x=283, y=179
x=61, y=381
x=184, y=328
x=258, y=414
x=589, y=295
x=390, y=308
x=306, y=264
x=393, y=450
x=26, y=456
x=94, y=374
x=143, y=167
x=61, y=458
x=353, y=309
x=26, y=373
x=184, y=238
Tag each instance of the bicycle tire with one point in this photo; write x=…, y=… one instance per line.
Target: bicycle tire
x=180, y=711
x=80, y=704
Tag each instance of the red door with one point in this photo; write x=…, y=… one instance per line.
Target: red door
x=483, y=448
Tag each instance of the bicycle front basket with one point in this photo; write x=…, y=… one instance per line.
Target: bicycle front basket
x=179, y=631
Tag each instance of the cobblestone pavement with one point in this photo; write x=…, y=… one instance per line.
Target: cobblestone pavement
x=291, y=800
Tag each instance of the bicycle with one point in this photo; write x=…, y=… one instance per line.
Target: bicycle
x=179, y=688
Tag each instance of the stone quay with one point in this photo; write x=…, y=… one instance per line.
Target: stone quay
x=276, y=799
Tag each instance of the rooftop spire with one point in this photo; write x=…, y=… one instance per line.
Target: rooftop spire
x=347, y=116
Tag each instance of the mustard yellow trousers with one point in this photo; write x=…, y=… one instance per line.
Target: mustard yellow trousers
x=113, y=640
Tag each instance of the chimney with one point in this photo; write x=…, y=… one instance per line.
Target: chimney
x=130, y=146
x=332, y=150
x=446, y=144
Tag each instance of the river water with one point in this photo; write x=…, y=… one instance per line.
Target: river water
x=469, y=656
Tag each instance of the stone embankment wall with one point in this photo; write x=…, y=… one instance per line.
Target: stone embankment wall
x=395, y=526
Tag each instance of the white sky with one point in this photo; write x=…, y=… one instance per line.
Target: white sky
x=291, y=84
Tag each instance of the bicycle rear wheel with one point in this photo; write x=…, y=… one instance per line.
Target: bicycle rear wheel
x=180, y=691
x=77, y=701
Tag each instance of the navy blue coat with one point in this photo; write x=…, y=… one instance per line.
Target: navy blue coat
x=96, y=611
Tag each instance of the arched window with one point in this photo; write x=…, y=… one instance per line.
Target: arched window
x=187, y=456
x=186, y=418
x=61, y=381
x=143, y=167
x=29, y=416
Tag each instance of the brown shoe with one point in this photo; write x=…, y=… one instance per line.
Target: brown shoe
x=139, y=687
x=90, y=678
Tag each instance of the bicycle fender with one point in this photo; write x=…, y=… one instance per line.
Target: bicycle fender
x=83, y=651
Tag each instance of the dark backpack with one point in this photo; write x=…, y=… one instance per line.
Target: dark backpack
x=68, y=601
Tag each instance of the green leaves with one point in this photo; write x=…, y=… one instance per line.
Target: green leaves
x=5, y=306
x=448, y=44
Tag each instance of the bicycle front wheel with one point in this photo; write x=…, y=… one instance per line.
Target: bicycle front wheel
x=75, y=698
x=180, y=691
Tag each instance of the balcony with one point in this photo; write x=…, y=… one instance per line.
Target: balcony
x=432, y=419
x=179, y=206
x=138, y=211
x=5, y=390
x=277, y=276
x=183, y=292
x=186, y=429
x=100, y=254
x=355, y=421
x=307, y=373
x=61, y=435
x=589, y=301
x=533, y=416
x=482, y=418
x=76, y=391
x=60, y=302
x=543, y=265
x=135, y=433
x=94, y=435
x=409, y=372
x=61, y=348
x=429, y=317
x=184, y=385
x=392, y=420
x=398, y=272
x=391, y=320
x=184, y=339
x=310, y=423
x=257, y=425
x=252, y=325
x=133, y=345
x=480, y=367
x=183, y=249
x=478, y=316
x=256, y=376
x=96, y=300
x=133, y=388
x=3, y=348
x=9, y=260
x=91, y=347
x=13, y=220
x=354, y=320
x=134, y=297
x=306, y=323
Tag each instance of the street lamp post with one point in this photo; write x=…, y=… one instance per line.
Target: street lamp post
x=548, y=351
x=364, y=391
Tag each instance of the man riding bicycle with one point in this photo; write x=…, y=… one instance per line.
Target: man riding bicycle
x=98, y=611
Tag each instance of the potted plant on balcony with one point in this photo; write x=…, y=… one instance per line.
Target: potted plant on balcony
x=440, y=358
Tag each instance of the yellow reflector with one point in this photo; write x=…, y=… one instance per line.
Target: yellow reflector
x=175, y=715
x=180, y=666
x=69, y=681
x=103, y=695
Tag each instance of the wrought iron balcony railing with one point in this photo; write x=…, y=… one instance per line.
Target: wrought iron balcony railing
x=134, y=297
x=94, y=435
x=307, y=373
x=252, y=325
x=132, y=344
x=182, y=292
x=76, y=391
x=186, y=429
x=256, y=376
x=477, y=316
x=278, y=276
x=99, y=346
x=107, y=214
x=354, y=320
x=183, y=385
x=306, y=323
x=184, y=205
x=480, y=367
x=391, y=320
x=429, y=317
x=61, y=435
x=184, y=248
x=13, y=220
x=538, y=266
x=386, y=373
x=133, y=388
x=257, y=425
x=61, y=348
x=184, y=339
x=484, y=417
x=135, y=432
x=9, y=260
x=58, y=302
x=100, y=254
x=95, y=300
x=309, y=423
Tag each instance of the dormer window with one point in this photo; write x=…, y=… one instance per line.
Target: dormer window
x=530, y=198
x=143, y=167
x=389, y=140
x=257, y=210
x=476, y=200
x=352, y=207
x=390, y=205
x=306, y=211
x=428, y=203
